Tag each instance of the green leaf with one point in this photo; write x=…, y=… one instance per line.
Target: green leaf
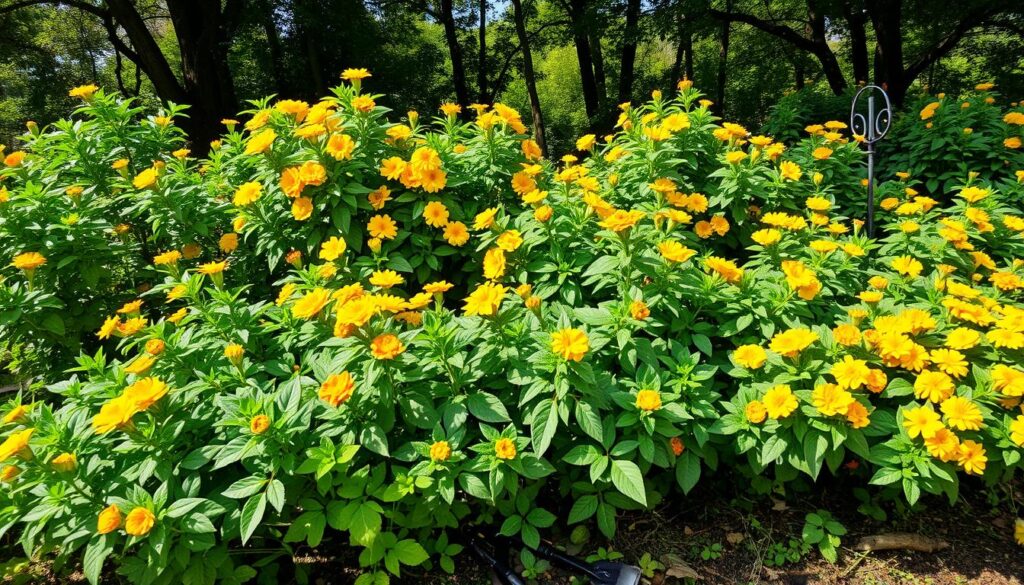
x=627, y=479
x=410, y=552
x=96, y=553
x=583, y=508
x=365, y=524
x=487, y=408
x=252, y=514
x=275, y=494
x=688, y=471
x=245, y=487
x=374, y=439
x=545, y=423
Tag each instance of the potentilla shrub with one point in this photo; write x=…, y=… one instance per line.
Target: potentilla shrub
x=677, y=298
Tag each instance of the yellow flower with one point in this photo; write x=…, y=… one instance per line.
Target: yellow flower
x=949, y=361
x=64, y=463
x=440, y=451
x=779, y=401
x=972, y=457
x=570, y=344
x=15, y=158
x=139, y=522
x=108, y=520
x=456, y=233
x=639, y=310
x=485, y=299
x=435, y=214
x=386, y=278
x=337, y=389
x=247, y=193
x=751, y=357
x=28, y=261
x=944, y=445
x=494, y=264
x=648, y=400
x=16, y=444
x=437, y=287
x=84, y=92
x=674, y=251
x=302, y=208
x=850, y=373
x=755, y=412
x=907, y=266
x=140, y=365
x=311, y=303
x=822, y=153
x=933, y=386
x=510, y=240
x=485, y=219
x=234, y=353
x=386, y=347
x=921, y=421
x=504, y=449
x=727, y=269
x=355, y=74
x=228, y=242
x=332, y=249
x=846, y=334
x=260, y=142
x=831, y=400
x=1017, y=430
x=962, y=338
x=16, y=415
x=790, y=171
x=766, y=237
x=259, y=424
x=791, y=342
x=586, y=142
x=961, y=413
x=382, y=226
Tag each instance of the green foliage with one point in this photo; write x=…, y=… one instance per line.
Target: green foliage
x=342, y=327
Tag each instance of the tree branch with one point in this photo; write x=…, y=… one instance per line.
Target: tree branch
x=947, y=43
x=80, y=4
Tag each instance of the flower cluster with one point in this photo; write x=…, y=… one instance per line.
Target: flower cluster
x=384, y=328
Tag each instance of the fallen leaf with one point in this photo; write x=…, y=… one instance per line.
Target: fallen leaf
x=734, y=538
x=677, y=567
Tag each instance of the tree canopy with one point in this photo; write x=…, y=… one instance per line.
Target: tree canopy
x=568, y=62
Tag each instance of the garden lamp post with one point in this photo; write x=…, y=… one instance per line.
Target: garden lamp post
x=872, y=127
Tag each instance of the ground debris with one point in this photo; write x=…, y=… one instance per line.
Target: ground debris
x=900, y=541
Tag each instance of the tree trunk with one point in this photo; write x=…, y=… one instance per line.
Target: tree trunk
x=855, y=21
x=529, y=76
x=632, y=34
x=269, y=25
x=577, y=14
x=147, y=52
x=451, y=35
x=594, y=38
x=481, y=73
x=203, y=44
x=723, y=61
x=799, y=74
x=682, y=67
x=829, y=63
x=886, y=16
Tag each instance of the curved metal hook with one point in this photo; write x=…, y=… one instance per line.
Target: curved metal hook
x=875, y=127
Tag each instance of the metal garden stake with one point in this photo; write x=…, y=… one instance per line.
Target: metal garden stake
x=872, y=127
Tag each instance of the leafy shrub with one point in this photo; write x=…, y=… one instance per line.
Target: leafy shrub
x=939, y=140
x=687, y=297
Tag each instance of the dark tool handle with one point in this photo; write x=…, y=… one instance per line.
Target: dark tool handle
x=505, y=574
x=553, y=554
